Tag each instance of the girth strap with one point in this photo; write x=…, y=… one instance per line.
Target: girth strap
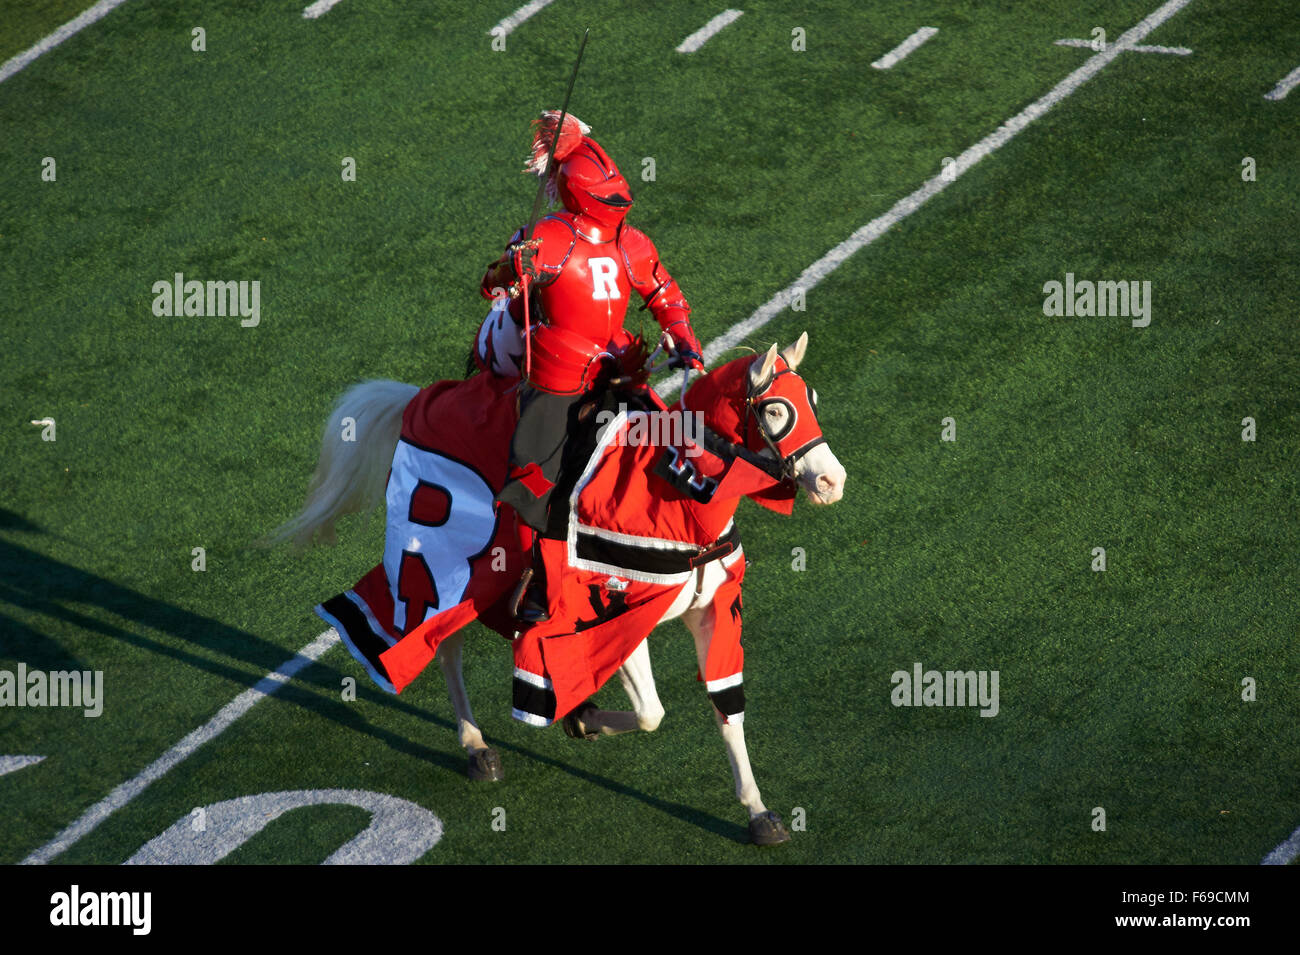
x=715, y=443
x=654, y=560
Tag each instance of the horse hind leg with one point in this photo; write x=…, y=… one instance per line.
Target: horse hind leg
x=588, y=721
x=484, y=761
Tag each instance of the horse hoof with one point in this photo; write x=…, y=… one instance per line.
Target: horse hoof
x=485, y=767
x=767, y=829
x=573, y=722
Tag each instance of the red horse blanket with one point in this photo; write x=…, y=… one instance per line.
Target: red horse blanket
x=451, y=555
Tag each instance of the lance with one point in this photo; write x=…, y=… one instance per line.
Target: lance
x=537, y=206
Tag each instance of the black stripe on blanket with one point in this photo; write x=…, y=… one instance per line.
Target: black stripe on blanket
x=533, y=700
x=365, y=644
x=730, y=701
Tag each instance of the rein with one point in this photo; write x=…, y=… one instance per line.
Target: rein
x=774, y=468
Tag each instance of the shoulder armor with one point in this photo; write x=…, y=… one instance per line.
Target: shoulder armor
x=639, y=255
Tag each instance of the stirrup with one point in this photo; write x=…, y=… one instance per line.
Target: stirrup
x=524, y=606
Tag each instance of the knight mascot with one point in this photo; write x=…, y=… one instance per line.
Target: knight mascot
x=566, y=284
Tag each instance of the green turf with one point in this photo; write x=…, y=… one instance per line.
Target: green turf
x=1119, y=689
x=27, y=22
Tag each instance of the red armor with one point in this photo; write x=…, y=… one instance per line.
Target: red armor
x=585, y=265
x=585, y=277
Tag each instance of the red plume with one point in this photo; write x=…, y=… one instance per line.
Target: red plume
x=544, y=135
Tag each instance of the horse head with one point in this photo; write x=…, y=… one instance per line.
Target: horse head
x=765, y=406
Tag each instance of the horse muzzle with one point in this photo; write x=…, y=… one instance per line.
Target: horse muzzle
x=821, y=475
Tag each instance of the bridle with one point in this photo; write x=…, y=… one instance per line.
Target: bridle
x=780, y=467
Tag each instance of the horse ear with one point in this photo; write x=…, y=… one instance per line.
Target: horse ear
x=793, y=354
x=761, y=370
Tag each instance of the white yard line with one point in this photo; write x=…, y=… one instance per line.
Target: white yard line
x=706, y=32
x=1175, y=50
x=73, y=26
x=319, y=8
x=904, y=48
x=1285, y=85
x=1285, y=852
x=232, y=711
x=877, y=227
x=507, y=26
x=1075, y=41
x=9, y=764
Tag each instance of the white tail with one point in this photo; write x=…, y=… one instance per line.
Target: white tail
x=351, y=474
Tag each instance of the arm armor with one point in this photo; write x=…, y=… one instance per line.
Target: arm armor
x=649, y=277
x=501, y=273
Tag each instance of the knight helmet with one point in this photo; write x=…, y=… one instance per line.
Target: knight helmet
x=583, y=177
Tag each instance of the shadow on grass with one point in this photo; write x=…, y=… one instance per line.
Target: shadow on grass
x=39, y=584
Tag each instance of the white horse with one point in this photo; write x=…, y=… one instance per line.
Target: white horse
x=777, y=432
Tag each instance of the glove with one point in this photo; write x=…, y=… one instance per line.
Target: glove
x=498, y=277
x=525, y=264
x=687, y=352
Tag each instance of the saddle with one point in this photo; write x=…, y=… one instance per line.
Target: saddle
x=611, y=395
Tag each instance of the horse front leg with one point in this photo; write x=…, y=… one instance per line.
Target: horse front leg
x=765, y=826
x=587, y=721
x=484, y=761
